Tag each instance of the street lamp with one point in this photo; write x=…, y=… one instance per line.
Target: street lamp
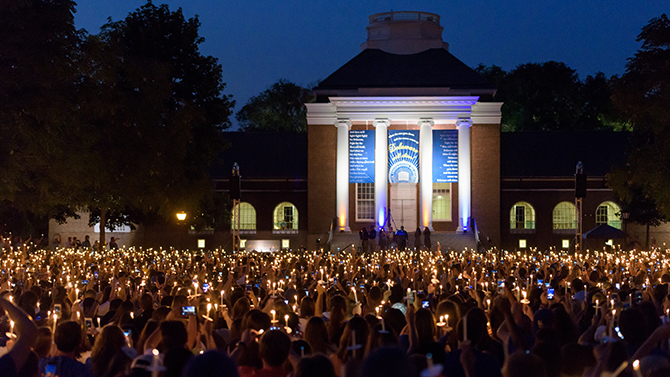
x=181, y=216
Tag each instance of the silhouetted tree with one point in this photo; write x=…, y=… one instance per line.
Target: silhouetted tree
x=280, y=108
x=642, y=94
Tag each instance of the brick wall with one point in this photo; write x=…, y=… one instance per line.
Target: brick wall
x=322, y=155
x=485, y=162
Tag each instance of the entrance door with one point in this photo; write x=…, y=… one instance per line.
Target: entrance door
x=403, y=205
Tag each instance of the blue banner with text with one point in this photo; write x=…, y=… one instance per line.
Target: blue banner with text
x=445, y=156
x=361, y=156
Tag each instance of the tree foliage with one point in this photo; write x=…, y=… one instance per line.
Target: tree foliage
x=280, y=108
x=39, y=76
x=156, y=116
x=549, y=96
x=124, y=123
x=642, y=94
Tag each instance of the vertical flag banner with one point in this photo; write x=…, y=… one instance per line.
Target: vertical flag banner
x=445, y=156
x=403, y=156
x=361, y=156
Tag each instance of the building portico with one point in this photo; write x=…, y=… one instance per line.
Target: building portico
x=410, y=120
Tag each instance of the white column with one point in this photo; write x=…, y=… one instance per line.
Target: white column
x=426, y=173
x=342, y=174
x=464, y=176
x=381, y=170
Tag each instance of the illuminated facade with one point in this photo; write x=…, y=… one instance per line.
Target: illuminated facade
x=409, y=127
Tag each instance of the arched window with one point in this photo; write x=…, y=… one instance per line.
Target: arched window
x=522, y=216
x=247, y=217
x=609, y=213
x=285, y=217
x=564, y=216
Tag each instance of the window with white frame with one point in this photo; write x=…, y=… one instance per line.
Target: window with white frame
x=609, y=213
x=365, y=201
x=522, y=216
x=441, y=201
x=247, y=214
x=564, y=216
x=285, y=217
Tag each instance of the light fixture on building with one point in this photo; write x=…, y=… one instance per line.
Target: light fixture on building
x=285, y=244
x=201, y=243
x=565, y=244
x=181, y=216
x=522, y=244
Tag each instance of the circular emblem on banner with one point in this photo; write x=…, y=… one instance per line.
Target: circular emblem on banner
x=403, y=172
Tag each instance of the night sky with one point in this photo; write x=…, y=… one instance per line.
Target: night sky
x=259, y=42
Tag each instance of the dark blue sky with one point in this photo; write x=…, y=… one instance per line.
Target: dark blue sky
x=260, y=41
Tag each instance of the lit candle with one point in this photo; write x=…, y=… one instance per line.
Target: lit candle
x=355, y=295
x=636, y=368
x=222, y=297
x=274, y=314
x=154, y=363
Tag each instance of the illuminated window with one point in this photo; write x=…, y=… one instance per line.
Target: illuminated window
x=247, y=218
x=522, y=216
x=365, y=201
x=564, y=216
x=286, y=217
x=609, y=213
x=441, y=201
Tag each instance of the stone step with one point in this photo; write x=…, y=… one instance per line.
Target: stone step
x=448, y=241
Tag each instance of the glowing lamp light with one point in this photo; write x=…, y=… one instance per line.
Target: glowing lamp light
x=381, y=218
x=181, y=216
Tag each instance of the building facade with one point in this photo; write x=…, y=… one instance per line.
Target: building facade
x=404, y=134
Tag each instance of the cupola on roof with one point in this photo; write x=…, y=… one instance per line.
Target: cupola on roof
x=404, y=33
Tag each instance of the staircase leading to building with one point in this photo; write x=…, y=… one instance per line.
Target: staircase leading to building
x=448, y=241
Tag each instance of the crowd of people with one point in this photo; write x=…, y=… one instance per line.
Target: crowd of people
x=157, y=312
x=371, y=240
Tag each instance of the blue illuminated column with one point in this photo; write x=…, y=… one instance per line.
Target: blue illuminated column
x=426, y=173
x=381, y=170
x=464, y=180
x=342, y=174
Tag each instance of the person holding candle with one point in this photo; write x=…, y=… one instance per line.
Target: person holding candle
x=352, y=344
x=108, y=356
x=67, y=339
x=274, y=347
x=27, y=334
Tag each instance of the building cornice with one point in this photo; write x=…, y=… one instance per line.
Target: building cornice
x=486, y=113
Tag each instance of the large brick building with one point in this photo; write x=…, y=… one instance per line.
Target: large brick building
x=404, y=134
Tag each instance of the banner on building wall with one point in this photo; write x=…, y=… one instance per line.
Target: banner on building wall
x=361, y=156
x=403, y=156
x=445, y=156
